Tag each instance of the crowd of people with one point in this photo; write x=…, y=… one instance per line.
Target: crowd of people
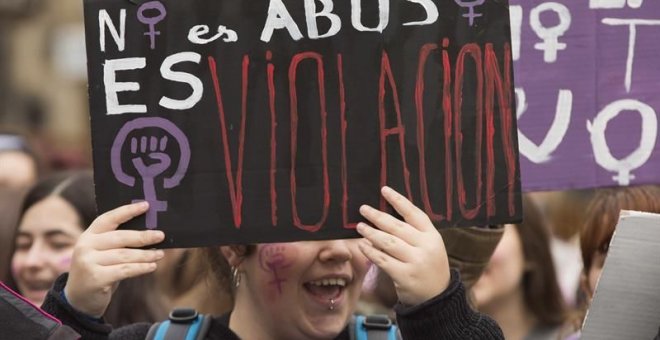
x=470, y=283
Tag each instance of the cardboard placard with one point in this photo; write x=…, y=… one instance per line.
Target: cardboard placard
x=626, y=303
x=270, y=120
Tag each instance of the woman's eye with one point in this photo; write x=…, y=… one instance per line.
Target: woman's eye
x=60, y=245
x=23, y=246
x=23, y=243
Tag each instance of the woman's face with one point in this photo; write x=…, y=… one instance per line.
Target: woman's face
x=503, y=275
x=46, y=235
x=303, y=290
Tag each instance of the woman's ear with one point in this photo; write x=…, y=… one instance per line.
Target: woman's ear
x=234, y=254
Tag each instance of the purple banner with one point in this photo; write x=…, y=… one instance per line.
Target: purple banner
x=588, y=91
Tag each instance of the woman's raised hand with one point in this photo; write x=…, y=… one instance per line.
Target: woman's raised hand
x=103, y=256
x=412, y=253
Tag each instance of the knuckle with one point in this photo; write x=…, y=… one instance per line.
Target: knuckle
x=123, y=255
x=145, y=238
x=126, y=270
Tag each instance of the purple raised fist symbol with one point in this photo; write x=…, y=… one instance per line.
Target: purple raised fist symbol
x=148, y=154
x=152, y=21
x=470, y=5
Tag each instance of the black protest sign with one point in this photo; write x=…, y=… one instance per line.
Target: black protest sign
x=271, y=120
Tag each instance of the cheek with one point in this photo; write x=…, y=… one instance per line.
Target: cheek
x=62, y=261
x=16, y=265
x=277, y=263
x=64, y=264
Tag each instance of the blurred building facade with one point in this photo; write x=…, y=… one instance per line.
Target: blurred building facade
x=43, y=86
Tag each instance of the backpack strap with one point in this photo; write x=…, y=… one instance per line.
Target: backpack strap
x=183, y=324
x=373, y=327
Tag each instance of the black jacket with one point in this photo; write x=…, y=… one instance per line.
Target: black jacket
x=447, y=316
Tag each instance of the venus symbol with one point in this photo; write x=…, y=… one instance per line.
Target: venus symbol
x=149, y=156
x=470, y=6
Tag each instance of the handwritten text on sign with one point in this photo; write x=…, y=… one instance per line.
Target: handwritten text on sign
x=263, y=121
x=586, y=82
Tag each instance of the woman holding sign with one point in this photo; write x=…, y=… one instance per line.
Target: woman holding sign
x=299, y=290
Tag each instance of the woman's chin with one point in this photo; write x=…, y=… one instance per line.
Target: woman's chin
x=326, y=326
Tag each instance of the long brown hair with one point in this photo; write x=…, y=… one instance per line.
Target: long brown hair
x=540, y=288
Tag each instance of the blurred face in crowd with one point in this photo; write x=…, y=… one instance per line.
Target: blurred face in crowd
x=301, y=290
x=503, y=275
x=17, y=169
x=44, y=245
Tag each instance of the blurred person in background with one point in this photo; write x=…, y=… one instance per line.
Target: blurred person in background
x=601, y=219
x=519, y=286
x=53, y=215
x=10, y=200
x=185, y=279
x=19, y=166
x=564, y=212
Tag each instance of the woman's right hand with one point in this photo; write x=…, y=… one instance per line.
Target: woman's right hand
x=103, y=256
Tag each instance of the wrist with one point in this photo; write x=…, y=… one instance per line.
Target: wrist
x=86, y=315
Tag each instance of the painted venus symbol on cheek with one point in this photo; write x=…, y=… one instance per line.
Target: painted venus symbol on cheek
x=153, y=150
x=272, y=259
x=65, y=263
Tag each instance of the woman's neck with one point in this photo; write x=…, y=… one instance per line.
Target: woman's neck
x=243, y=320
x=513, y=316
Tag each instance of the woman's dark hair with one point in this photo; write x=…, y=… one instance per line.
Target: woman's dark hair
x=220, y=268
x=603, y=215
x=540, y=288
x=77, y=188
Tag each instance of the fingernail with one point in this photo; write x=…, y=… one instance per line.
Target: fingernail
x=361, y=227
x=365, y=209
x=143, y=205
x=160, y=253
x=386, y=190
x=156, y=234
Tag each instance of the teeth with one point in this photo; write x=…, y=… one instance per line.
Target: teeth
x=329, y=282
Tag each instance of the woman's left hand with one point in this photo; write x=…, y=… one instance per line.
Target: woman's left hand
x=412, y=253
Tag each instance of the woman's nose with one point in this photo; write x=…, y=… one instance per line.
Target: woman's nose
x=335, y=251
x=35, y=256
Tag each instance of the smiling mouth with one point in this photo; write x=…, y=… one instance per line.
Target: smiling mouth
x=37, y=285
x=326, y=290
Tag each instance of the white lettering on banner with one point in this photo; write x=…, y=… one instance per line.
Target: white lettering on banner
x=196, y=32
x=632, y=38
x=431, y=13
x=550, y=35
x=182, y=77
x=278, y=18
x=516, y=18
x=112, y=87
x=596, y=4
x=639, y=156
x=117, y=36
x=311, y=15
x=543, y=152
x=383, y=16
